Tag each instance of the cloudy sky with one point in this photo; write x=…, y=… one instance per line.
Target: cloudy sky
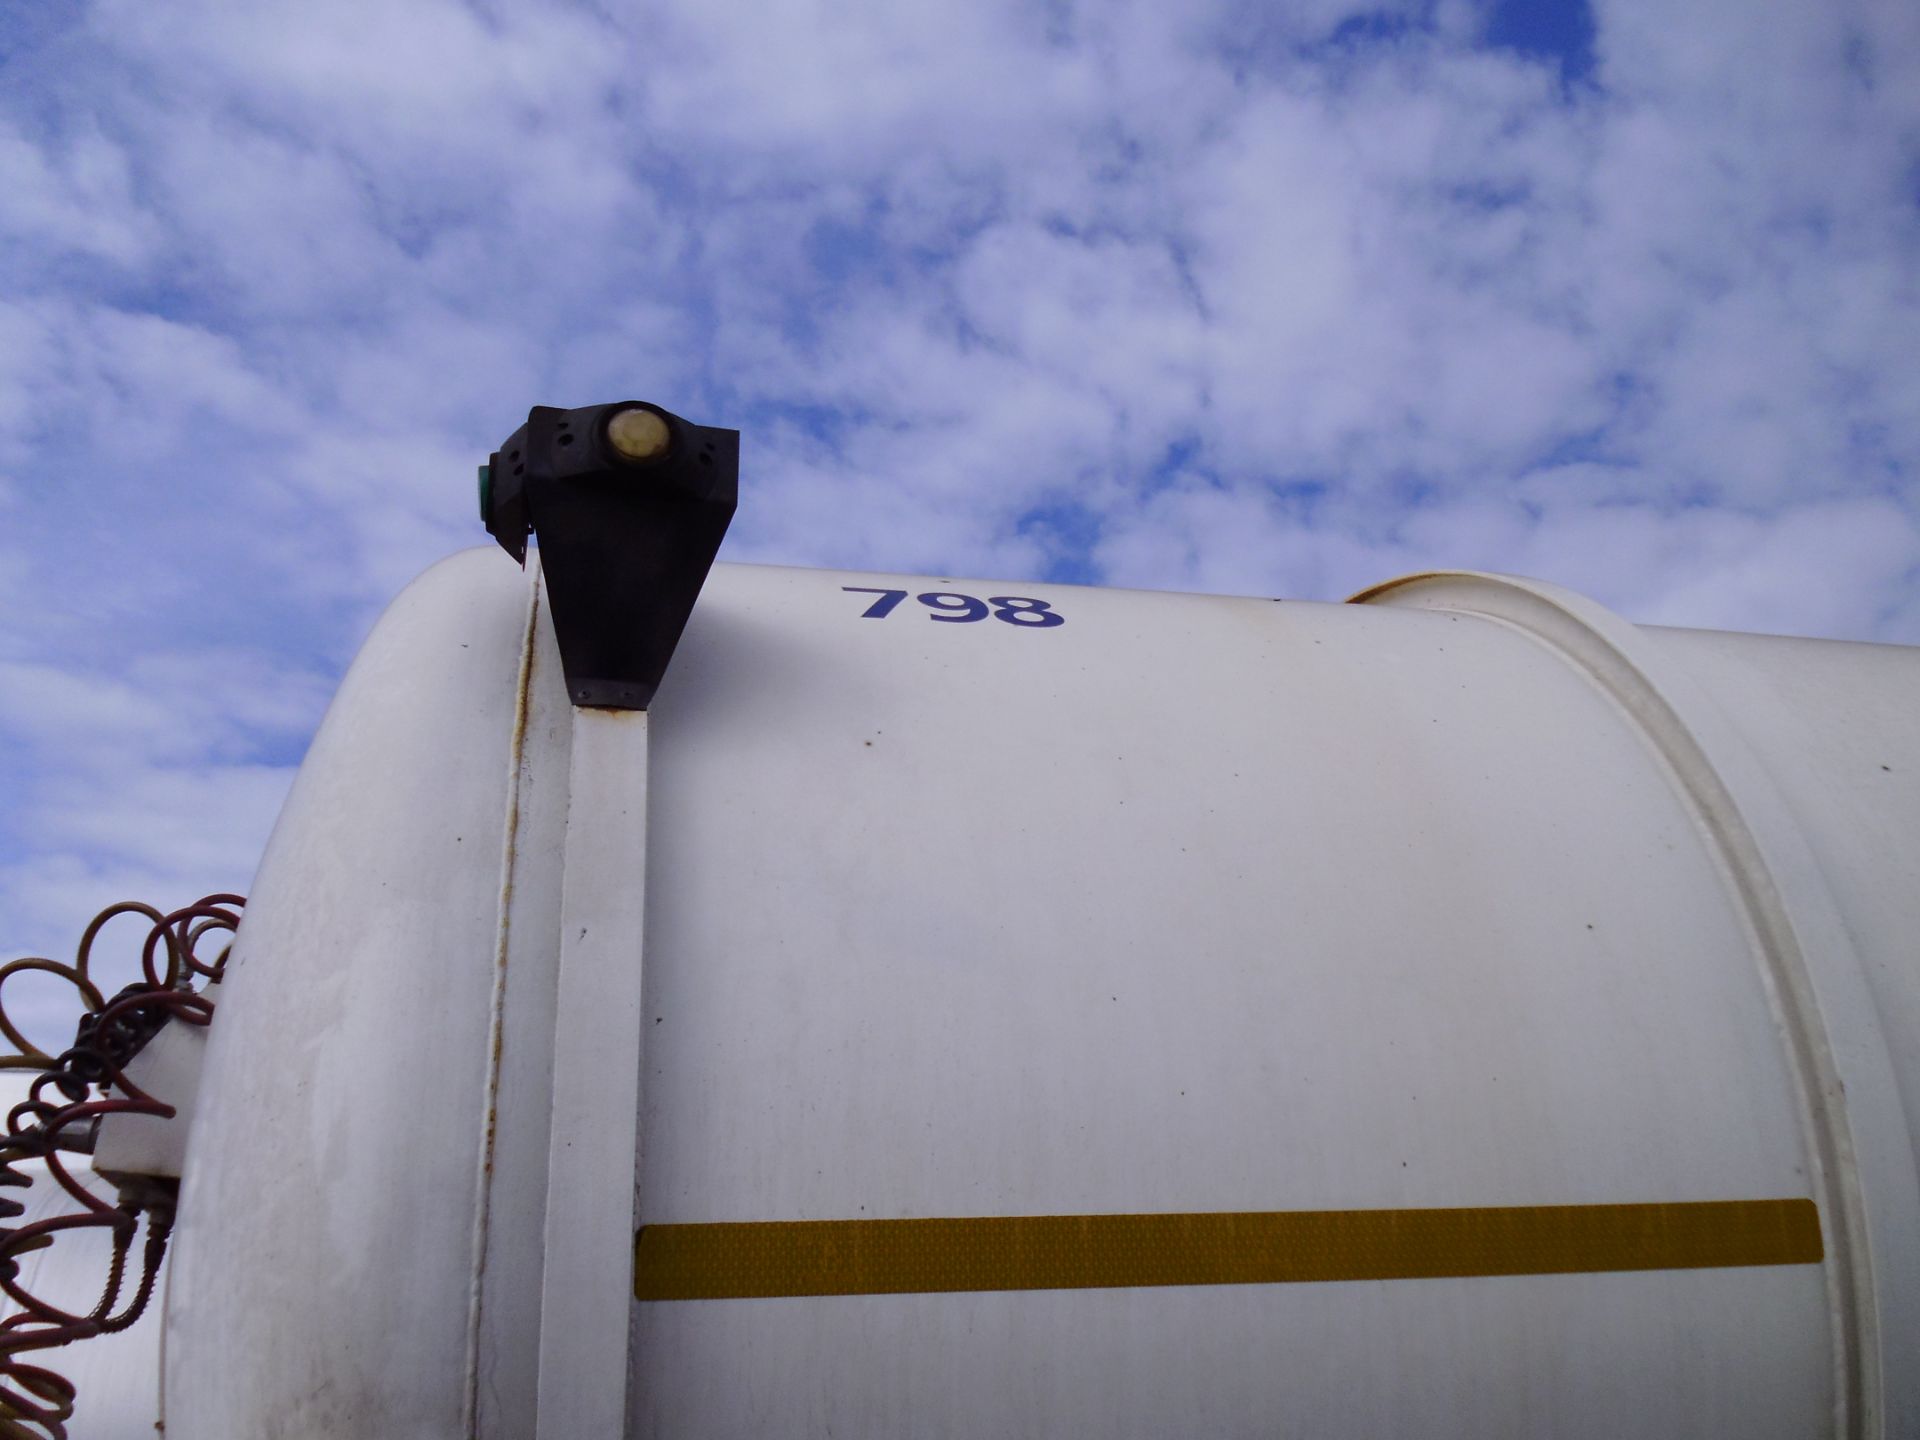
x=1262, y=298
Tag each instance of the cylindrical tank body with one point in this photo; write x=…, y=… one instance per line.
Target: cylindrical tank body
x=1468, y=898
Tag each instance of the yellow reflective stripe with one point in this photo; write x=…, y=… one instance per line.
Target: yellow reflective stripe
x=1074, y=1252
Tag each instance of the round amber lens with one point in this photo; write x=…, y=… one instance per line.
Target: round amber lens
x=638, y=434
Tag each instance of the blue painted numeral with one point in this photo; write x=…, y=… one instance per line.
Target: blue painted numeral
x=878, y=609
x=1018, y=610
x=969, y=608
x=952, y=609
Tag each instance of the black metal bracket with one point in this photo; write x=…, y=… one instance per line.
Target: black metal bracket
x=629, y=504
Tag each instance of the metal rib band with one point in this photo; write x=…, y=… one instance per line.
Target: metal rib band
x=762, y=1259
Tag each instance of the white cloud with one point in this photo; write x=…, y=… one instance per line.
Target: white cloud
x=72, y=196
x=1214, y=296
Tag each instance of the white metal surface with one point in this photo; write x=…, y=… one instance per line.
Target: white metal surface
x=1816, y=964
x=586, y=1303
x=1184, y=904
x=167, y=1068
x=323, y=1267
x=503, y=1374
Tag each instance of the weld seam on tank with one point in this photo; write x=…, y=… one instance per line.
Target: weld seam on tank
x=496, y=1017
x=1602, y=646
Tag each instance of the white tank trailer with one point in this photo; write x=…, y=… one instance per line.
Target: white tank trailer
x=966, y=1008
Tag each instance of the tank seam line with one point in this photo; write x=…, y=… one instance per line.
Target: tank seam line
x=483, y=1173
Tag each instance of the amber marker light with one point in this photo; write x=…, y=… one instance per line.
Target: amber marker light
x=638, y=436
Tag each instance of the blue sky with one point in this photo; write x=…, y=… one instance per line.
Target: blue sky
x=1221, y=296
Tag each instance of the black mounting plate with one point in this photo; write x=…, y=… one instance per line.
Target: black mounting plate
x=625, y=544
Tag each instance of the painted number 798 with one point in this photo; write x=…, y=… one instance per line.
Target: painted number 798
x=963, y=609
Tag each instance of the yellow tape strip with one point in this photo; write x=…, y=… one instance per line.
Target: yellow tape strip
x=1073, y=1252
